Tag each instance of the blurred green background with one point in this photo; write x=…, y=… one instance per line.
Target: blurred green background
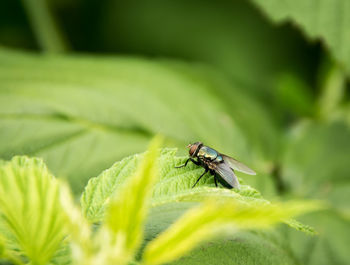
x=85, y=83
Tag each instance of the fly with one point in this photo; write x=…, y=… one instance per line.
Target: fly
x=219, y=165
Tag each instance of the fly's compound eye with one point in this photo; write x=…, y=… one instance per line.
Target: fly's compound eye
x=193, y=149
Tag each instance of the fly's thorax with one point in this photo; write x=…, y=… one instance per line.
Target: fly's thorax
x=208, y=153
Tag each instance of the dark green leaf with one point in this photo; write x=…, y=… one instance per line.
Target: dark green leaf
x=82, y=114
x=320, y=19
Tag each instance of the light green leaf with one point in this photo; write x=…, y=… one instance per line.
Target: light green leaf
x=31, y=218
x=100, y=189
x=63, y=255
x=243, y=247
x=7, y=254
x=2, y=246
x=319, y=19
x=80, y=114
x=121, y=234
x=202, y=193
x=79, y=230
x=126, y=213
x=210, y=218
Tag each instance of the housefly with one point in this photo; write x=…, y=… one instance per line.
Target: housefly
x=219, y=165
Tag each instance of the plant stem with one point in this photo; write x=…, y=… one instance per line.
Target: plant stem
x=332, y=89
x=47, y=32
x=279, y=183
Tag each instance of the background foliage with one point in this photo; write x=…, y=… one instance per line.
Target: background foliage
x=263, y=81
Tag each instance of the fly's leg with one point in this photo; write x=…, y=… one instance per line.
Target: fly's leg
x=195, y=162
x=190, y=159
x=215, y=180
x=184, y=164
x=206, y=170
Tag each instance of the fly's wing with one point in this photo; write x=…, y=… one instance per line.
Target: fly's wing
x=227, y=174
x=234, y=164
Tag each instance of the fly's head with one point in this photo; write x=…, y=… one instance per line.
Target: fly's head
x=194, y=148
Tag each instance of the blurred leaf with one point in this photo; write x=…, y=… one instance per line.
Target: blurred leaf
x=301, y=227
x=321, y=19
x=330, y=246
x=231, y=35
x=208, y=219
x=7, y=254
x=31, y=219
x=78, y=229
x=294, y=96
x=82, y=114
x=63, y=255
x=2, y=246
x=251, y=116
x=316, y=165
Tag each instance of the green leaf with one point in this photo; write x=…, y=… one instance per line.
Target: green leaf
x=121, y=233
x=319, y=19
x=126, y=213
x=31, y=219
x=99, y=190
x=80, y=114
x=174, y=185
x=210, y=218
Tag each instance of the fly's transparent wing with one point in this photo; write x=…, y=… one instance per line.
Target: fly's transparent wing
x=227, y=174
x=234, y=164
